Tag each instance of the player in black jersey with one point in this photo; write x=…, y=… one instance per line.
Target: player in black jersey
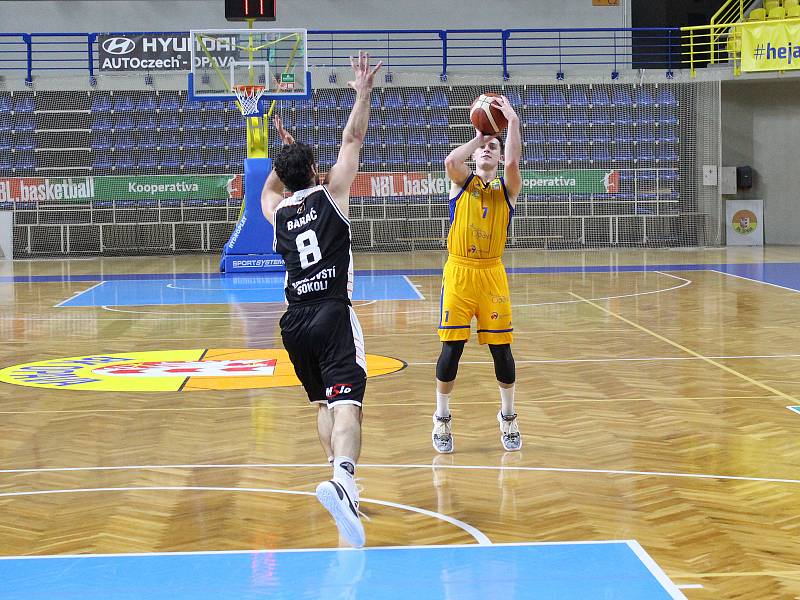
x=320, y=331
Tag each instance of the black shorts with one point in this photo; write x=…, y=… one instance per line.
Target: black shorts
x=326, y=347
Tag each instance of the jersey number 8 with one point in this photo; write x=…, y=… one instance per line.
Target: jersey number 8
x=308, y=247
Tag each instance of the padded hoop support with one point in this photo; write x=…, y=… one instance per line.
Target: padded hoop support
x=249, y=248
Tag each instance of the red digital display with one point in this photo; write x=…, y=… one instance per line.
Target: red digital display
x=243, y=10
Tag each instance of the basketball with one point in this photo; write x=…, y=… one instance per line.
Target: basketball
x=486, y=117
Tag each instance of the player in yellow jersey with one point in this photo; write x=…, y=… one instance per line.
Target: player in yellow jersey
x=474, y=282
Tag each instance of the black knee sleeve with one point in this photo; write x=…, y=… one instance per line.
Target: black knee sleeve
x=504, y=367
x=447, y=365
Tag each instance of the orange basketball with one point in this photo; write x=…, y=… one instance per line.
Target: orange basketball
x=486, y=117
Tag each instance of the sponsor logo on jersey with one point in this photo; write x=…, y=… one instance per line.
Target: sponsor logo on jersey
x=176, y=370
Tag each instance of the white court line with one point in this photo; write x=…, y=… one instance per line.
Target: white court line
x=412, y=466
x=250, y=314
x=755, y=280
x=413, y=287
x=172, y=286
x=608, y=360
x=655, y=570
x=476, y=533
x=96, y=285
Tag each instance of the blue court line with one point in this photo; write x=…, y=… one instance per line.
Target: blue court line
x=549, y=571
x=236, y=289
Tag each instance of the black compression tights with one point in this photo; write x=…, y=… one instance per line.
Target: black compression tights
x=504, y=367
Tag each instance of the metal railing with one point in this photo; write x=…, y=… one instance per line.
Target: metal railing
x=505, y=51
x=730, y=12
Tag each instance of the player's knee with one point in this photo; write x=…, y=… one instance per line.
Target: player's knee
x=504, y=367
x=447, y=365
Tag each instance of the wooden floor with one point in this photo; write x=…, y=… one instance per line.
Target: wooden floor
x=652, y=405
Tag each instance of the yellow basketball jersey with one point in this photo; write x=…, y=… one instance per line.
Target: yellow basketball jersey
x=479, y=219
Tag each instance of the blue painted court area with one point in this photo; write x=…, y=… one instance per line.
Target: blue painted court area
x=568, y=571
x=239, y=289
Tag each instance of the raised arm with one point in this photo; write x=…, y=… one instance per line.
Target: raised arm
x=342, y=174
x=272, y=194
x=455, y=165
x=513, y=151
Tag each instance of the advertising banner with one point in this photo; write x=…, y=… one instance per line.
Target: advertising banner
x=161, y=52
x=745, y=222
x=771, y=46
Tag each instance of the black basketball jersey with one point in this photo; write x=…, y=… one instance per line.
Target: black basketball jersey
x=313, y=237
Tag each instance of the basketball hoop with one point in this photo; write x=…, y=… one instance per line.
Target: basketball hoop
x=248, y=96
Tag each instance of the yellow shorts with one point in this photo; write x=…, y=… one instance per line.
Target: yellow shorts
x=475, y=288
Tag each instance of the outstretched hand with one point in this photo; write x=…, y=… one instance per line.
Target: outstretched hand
x=504, y=104
x=286, y=137
x=364, y=75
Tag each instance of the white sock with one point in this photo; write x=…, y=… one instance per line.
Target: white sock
x=344, y=472
x=442, y=405
x=507, y=400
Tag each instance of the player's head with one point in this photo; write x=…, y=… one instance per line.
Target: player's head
x=488, y=156
x=295, y=166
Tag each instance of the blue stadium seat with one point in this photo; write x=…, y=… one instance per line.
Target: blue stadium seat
x=578, y=136
x=513, y=97
x=668, y=175
x=236, y=162
x=600, y=97
x=395, y=156
x=145, y=103
x=101, y=102
x=557, y=137
x=218, y=105
x=192, y=160
x=598, y=135
x=25, y=141
x=418, y=157
x=600, y=152
x=302, y=103
x=347, y=99
x=556, y=154
x=305, y=135
x=621, y=97
x=122, y=160
x=372, y=155
x=417, y=137
x=556, y=118
x=374, y=136
x=644, y=97
x=577, y=97
x=440, y=118
x=439, y=100
x=147, y=140
x=533, y=97
x=24, y=103
x=375, y=119
x=624, y=136
x=667, y=152
x=533, y=117
x=645, y=151
x=669, y=120
x=392, y=98
x=216, y=159
x=665, y=97
x=5, y=102
x=24, y=122
x=556, y=97
x=192, y=105
x=101, y=140
x=170, y=140
x=5, y=161
x=215, y=138
x=327, y=136
x=600, y=116
x=326, y=118
x=623, y=152
x=396, y=136
x=325, y=99
x=170, y=160
x=417, y=118
x=394, y=119
x=579, y=153
x=533, y=153
x=147, y=122
x=191, y=121
x=645, y=134
x=302, y=118
x=532, y=135
x=5, y=141
x=5, y=121
x=168, y=102
x=215, y=119
x=439, y=136
x=667, y=135
x=101, y=160
x=415, y=99
x=579, y=117
x=124, y=141
x=168, y=121
x=438, y=153
x=192, y=139
x=622, y=116
x=123, y=103
x=148, y=161
x=124, y=122
x=645, y=118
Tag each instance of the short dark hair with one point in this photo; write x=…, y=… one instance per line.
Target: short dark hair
x=293, y=166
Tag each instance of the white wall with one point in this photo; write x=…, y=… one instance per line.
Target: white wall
x=760, y=128
x=161, y=15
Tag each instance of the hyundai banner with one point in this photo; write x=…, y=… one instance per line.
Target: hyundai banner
x=160, y=52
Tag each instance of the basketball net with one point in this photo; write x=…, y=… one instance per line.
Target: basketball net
x=248, y=96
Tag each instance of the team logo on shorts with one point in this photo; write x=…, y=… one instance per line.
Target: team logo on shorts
x=176, y=370
x=338, y=389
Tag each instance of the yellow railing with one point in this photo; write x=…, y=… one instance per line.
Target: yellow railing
x=704, y=44
x=721, y=25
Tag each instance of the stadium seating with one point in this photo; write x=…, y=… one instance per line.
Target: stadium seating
x=777, y=13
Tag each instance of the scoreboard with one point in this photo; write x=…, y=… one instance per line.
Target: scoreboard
x=245, y=10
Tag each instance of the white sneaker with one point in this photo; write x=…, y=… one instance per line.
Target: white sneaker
x=510, y=436
x=441, y=436
x=344, y=510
